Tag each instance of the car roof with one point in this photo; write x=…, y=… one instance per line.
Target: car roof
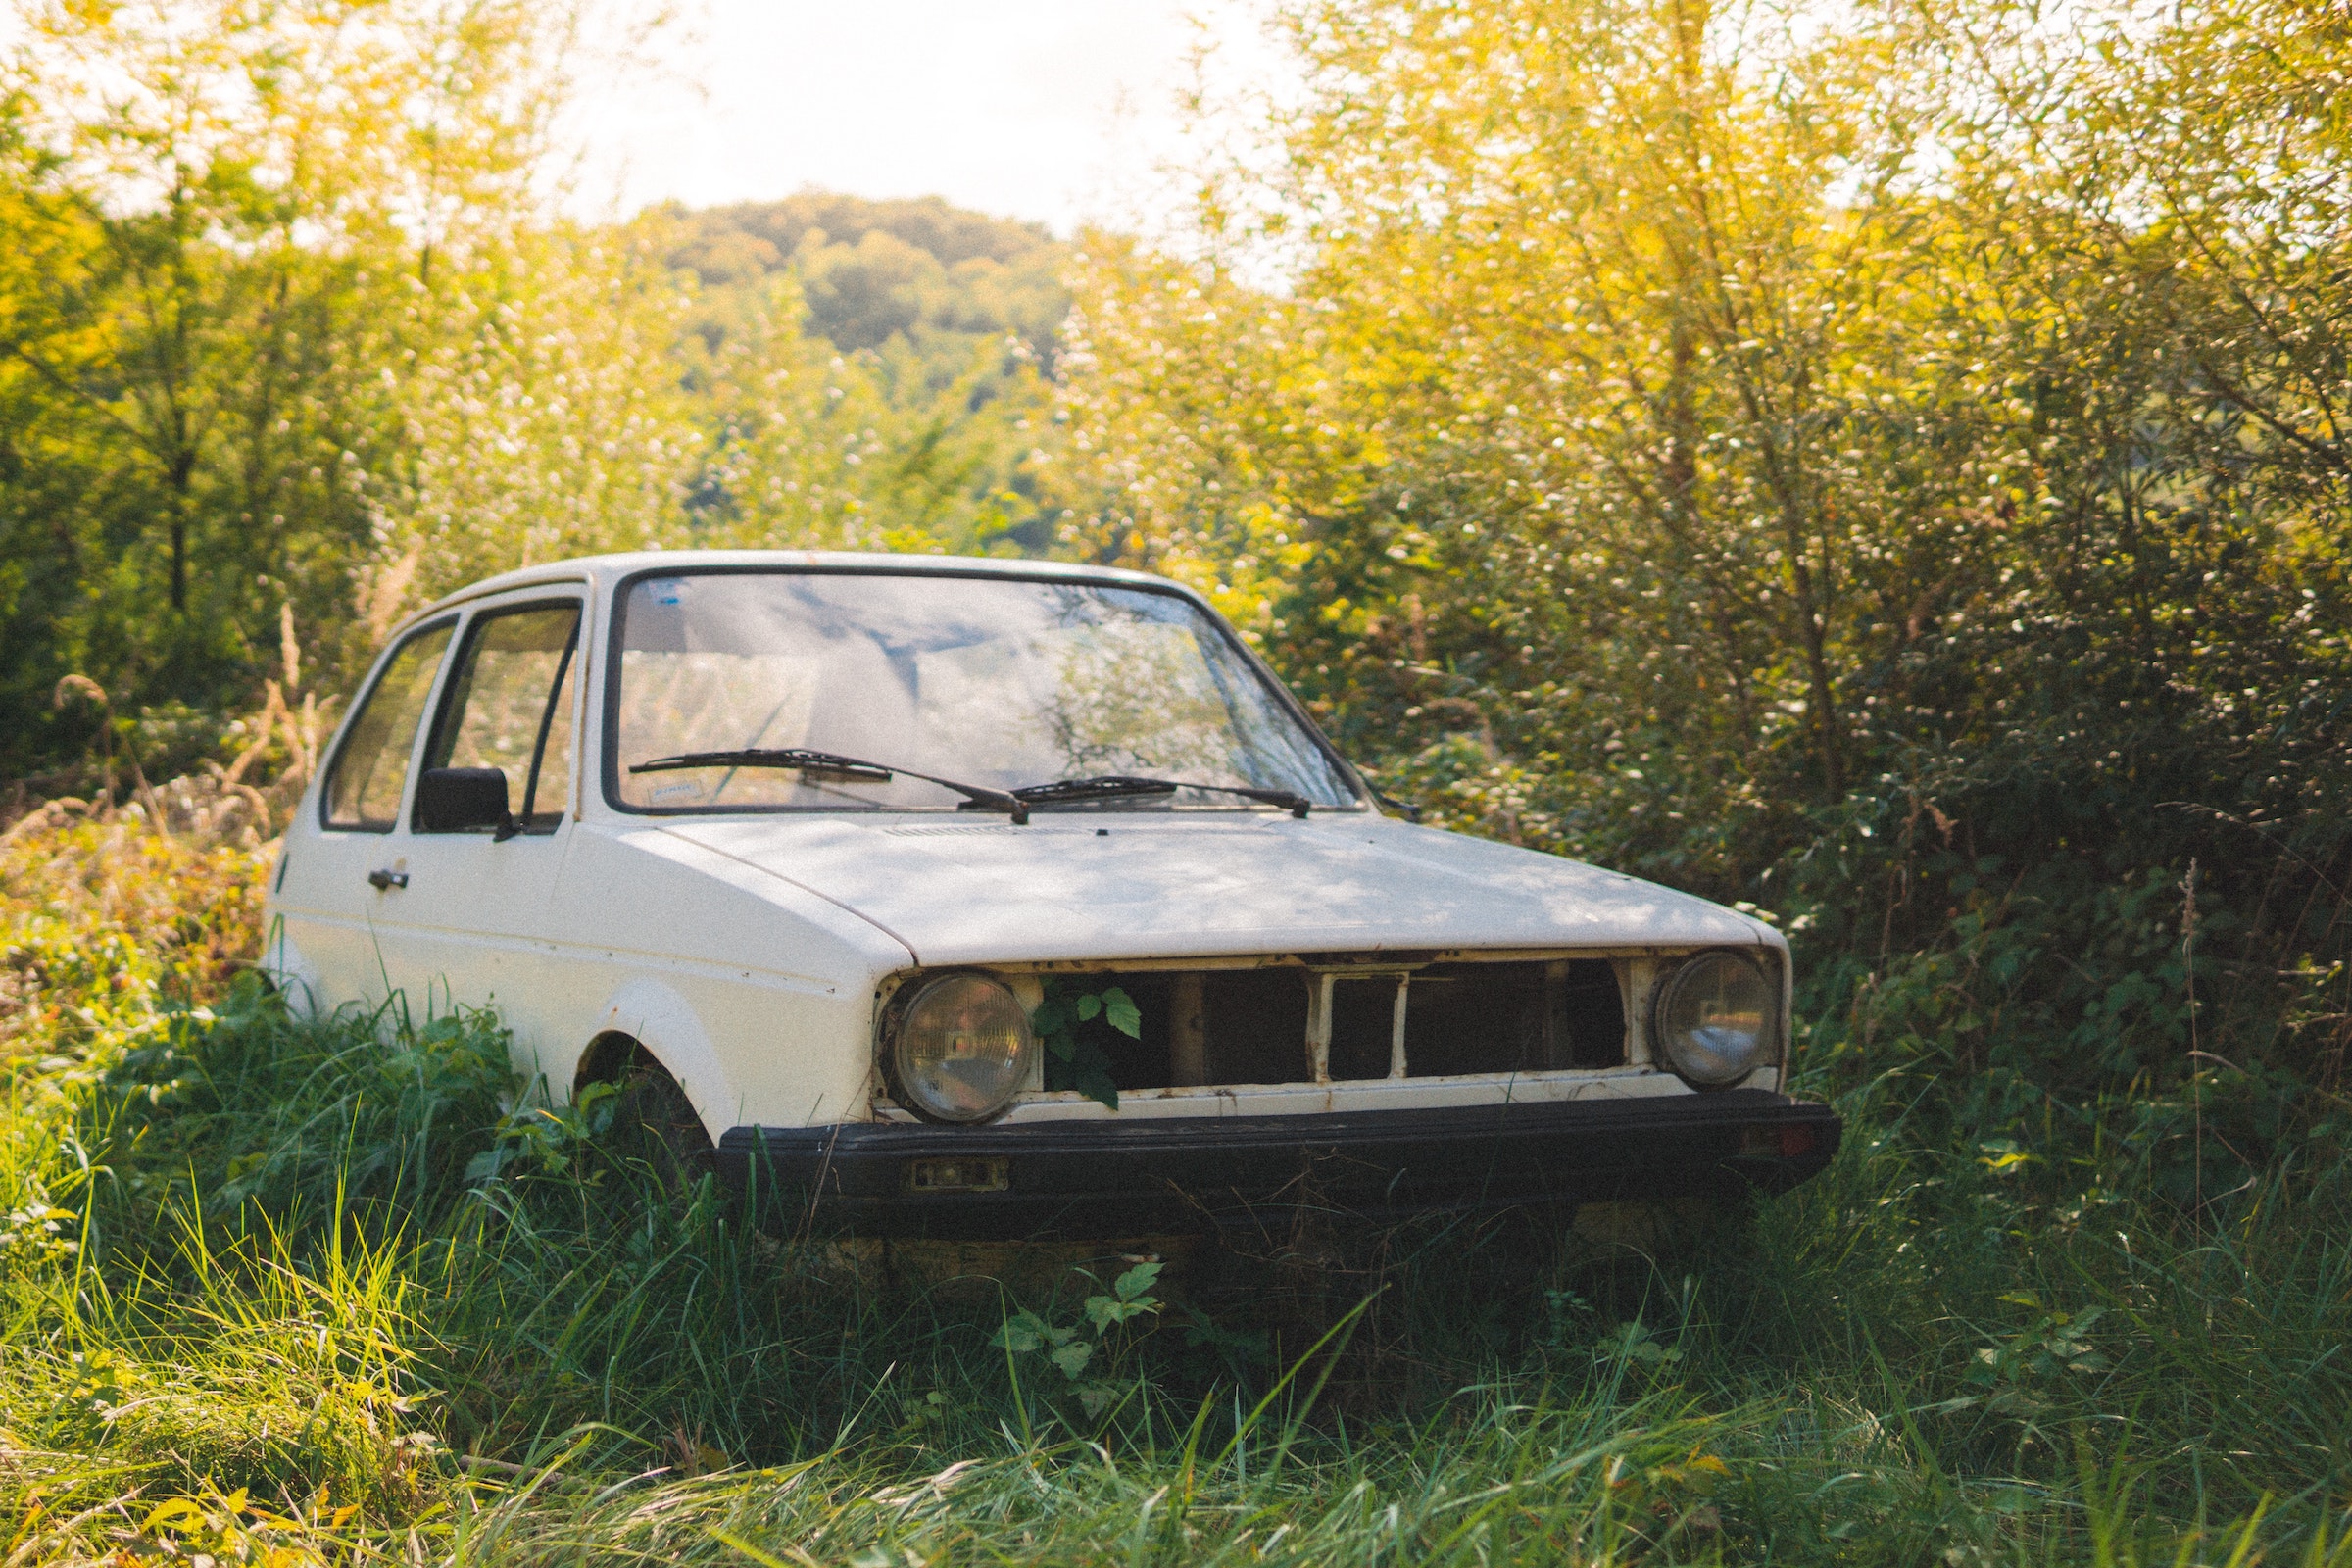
x=606, y=570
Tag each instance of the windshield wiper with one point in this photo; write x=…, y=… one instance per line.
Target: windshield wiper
x=977, y=797
x=1115, y=786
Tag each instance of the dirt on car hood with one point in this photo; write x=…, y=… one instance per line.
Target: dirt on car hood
x=1131, y=885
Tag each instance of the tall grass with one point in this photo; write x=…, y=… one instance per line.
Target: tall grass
x=274, y=1290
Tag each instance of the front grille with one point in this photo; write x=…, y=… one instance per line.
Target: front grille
x=1303, y=1023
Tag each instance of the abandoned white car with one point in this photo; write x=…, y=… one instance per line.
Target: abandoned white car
x=998, y=897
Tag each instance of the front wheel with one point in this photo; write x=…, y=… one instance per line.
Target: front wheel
x=654, y=1122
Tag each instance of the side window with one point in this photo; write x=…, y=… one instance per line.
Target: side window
x=364, y=782
x=510, y=707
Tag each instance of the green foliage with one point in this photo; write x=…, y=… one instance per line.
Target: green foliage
x=290, y=322
x=900, y=398
x=326, y=1115
x=2010, y=1377
x=1883, y=467
x=549, y=1141
x=1090, y=1362
x=1069, y=1023
x=876, y=269
x=436, y=1322
x=224, y=226
x=1870, y=467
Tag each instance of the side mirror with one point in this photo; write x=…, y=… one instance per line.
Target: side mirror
x=463, y=799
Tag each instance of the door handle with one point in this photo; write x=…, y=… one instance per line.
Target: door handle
x=380, y=880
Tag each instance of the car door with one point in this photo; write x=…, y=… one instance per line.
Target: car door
x=343, y=859
x=472, y=926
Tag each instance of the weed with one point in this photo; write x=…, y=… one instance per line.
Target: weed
x=282, y=1289
x=1089, y=1352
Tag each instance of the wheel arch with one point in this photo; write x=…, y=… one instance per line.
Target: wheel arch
x=608, y=1058
x=649, y=1019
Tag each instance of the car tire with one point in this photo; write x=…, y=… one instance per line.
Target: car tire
x=654, y=1122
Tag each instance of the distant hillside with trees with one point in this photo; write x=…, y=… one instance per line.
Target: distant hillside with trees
x=945, y=319
x=871, y=271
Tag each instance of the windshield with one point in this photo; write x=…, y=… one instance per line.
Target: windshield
x=990, y=681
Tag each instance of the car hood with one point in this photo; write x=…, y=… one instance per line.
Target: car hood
x=1127, y=884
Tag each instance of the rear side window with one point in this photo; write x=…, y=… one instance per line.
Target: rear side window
x=365, y=784
x=510, y=707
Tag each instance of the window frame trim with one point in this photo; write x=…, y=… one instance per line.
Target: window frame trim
x=445, y=695
x=454, y=621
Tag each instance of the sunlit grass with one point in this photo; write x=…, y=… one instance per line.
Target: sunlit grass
x=263, y=1300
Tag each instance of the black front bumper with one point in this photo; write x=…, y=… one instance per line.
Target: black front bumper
x=1138, y=1174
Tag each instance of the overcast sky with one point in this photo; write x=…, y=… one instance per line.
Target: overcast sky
x=1053, y=109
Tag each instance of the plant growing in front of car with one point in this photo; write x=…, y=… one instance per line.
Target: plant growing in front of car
x=1087, y=1353
x=537, y=1139
x=1061, y=1023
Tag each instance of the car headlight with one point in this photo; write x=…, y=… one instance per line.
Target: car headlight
x=961, y=1048
x=1716, y=1018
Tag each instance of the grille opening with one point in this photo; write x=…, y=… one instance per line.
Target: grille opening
x=1255, y=1026
x=1514, y=1018
x=1363, y=1027
x=1137, y=1063
x=1588, y=1013
x=1476, y=1017
x=1143, y=1063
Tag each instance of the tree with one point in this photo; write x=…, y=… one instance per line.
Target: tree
x=1583, y=351
x=1879, y=463
x=224, y=214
